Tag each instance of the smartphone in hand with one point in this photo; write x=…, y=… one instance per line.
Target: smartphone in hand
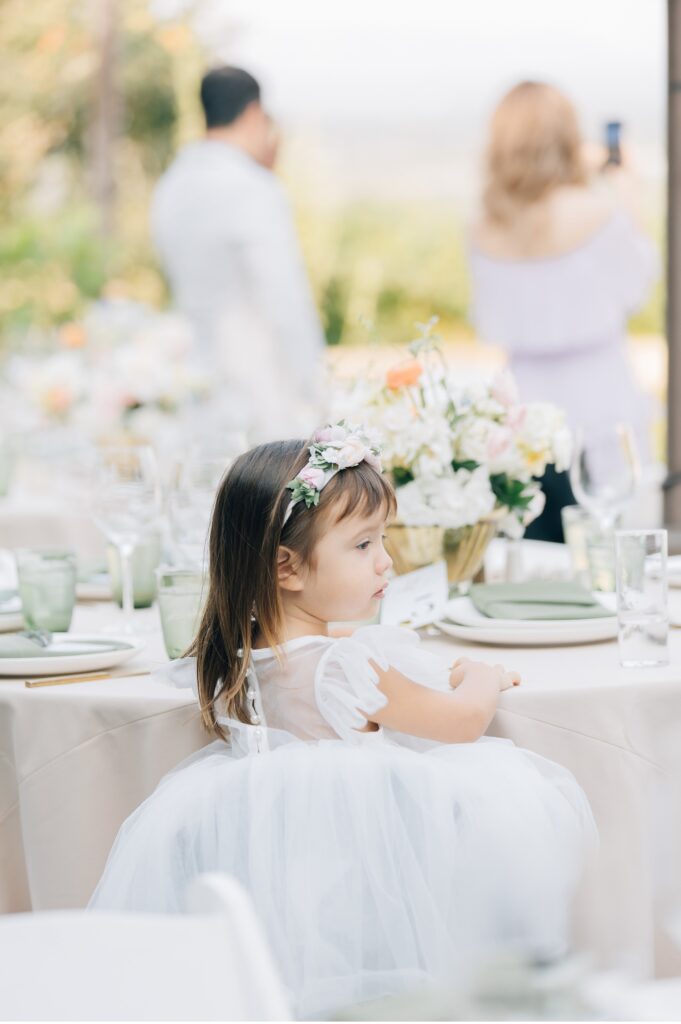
x=613, y=130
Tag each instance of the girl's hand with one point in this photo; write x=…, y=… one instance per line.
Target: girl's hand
x=466, y=668
x=510, y=678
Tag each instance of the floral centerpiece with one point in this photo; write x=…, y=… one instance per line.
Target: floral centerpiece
x=123, y=372
x=464, y=458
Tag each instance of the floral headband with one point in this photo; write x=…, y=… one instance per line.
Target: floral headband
x=333, y=448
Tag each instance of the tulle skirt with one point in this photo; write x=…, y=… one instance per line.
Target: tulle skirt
x=373, y=868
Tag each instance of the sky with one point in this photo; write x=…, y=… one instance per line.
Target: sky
x=395, y=95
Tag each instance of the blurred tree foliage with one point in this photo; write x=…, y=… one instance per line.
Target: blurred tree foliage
x=390, y=264
x=53, y=256
x=387, y=263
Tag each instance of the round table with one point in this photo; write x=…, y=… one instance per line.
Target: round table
x=77, y=759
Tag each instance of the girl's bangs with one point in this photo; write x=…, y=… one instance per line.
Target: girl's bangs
x=359, y=490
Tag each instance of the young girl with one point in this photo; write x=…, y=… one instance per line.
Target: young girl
x=384, y=841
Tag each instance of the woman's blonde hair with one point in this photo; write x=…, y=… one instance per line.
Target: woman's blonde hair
x=534, y=146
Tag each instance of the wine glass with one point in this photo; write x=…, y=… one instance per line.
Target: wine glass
x=605, y=472
x=192, y=495
x=126, y=503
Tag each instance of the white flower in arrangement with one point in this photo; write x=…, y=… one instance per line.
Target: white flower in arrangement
x=55, y=385
x=504, y=391
x=544, y=438
x=483, y=441
x=458, y=499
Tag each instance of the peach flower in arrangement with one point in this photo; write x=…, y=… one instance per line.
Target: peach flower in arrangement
x=72, y=335
x=404, y=376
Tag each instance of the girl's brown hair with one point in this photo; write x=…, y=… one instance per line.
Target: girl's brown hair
x=247, y=530
x=534, y=146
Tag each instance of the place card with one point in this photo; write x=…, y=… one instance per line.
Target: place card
x=416, y=598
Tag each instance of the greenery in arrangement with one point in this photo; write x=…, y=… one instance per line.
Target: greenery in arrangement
x=91, y=112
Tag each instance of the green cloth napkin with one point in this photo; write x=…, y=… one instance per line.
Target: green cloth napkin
x=536, y=599
x=12, y=645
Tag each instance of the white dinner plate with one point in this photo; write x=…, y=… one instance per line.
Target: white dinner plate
x=465, y=622
x=77, y=652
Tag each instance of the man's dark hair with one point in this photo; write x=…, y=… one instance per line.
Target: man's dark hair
x=225, y=94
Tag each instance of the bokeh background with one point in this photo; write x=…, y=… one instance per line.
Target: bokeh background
x=382, y=107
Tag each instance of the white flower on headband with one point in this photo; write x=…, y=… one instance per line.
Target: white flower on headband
x=333, y=448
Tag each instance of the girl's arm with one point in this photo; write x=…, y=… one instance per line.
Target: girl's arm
x=461, y=716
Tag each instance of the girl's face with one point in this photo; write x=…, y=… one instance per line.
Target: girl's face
x=347, y=578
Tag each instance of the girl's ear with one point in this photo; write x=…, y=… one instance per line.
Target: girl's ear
x=287, y=570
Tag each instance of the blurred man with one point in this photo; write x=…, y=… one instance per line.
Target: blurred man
x=225, y=236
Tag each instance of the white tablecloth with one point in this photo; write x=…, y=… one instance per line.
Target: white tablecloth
x=76, y=760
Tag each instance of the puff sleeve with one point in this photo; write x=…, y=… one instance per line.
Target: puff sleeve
x=346, y=681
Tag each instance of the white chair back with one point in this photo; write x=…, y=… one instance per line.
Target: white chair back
x=212, y=963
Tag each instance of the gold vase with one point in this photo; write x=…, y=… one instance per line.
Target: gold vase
x=465, y=547
x=412, y=547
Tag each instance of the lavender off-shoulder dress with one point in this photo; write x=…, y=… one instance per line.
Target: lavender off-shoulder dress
x=562, y=321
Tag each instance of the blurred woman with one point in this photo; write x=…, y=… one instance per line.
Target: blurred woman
x=558, y=265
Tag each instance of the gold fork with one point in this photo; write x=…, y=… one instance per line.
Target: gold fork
x=61, y=680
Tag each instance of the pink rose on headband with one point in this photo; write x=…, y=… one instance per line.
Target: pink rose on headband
x=329, y=434
x=350, y=453
x=373, y=460
x=313, y=477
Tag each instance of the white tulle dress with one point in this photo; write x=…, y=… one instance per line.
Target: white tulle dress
x=375, y=860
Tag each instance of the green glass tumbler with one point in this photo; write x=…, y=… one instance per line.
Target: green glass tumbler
x=47, y=587
x=181, y=596
x=146, y=556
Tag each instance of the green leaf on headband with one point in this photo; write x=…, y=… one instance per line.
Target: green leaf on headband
x=300, y=491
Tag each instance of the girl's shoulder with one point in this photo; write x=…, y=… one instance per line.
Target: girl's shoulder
x=377, y=641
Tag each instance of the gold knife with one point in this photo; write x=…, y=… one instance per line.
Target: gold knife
x=61, y=680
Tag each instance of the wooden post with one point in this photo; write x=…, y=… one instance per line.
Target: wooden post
x=672, y=507
x=105, y=113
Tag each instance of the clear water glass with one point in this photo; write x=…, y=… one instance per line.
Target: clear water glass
x=192, y=494
x=600, y=553
x=181, y=595
x=578, y=524
x=47, y=587
x=126, y=505
x=642, y=609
